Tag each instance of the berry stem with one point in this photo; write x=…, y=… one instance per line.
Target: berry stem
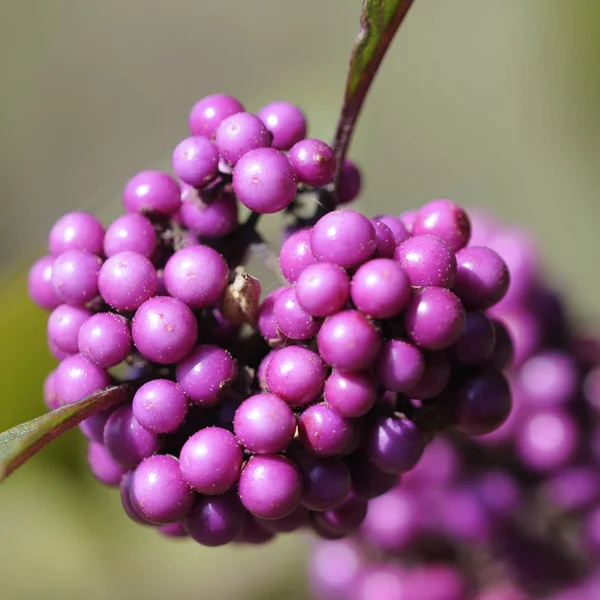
x=379, y=22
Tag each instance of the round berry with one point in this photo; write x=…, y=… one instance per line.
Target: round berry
x=270, y=486
x=314, y=162
x=208, y=113
x=76, y=231
x=264, y=424
x=93, y=427
x=196, y=161
x=152, y=192
x=76, y=379
x=349, y=341
x=264, y=180
x=502, y=354
x=323, y=289
x=130, y=233
x=204, y=373
x=196, y=275
x=158, y=492
x=63, y=327
x=399, y=365
x=344, y=237
x=103, y=467
x=240, y=133
x=285, y=121
x=164, y=330
x=209, y=215
x=105, y=339
x=292, y=320
x=323, y=431
x=351, y=393
x=446, y=220
x=345, y=518
x=434, y=379
x=427, y=260
x=267, y=326
x=160, y=406
x=396, y=226
x=350, y=182
x=51, y=399
x=476, y=342
x=384, y=237
x=75, y=276
x=296, y=255
x=296, y=374
x=39, y=284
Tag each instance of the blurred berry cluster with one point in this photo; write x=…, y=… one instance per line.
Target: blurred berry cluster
x=248, y=418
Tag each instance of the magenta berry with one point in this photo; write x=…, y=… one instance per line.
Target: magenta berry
x=285, y=121
x=152, y=192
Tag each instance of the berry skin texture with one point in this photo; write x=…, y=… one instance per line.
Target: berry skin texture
x=164, y=330
x=75, y=276
x=76, y=231
x=292, y=320
x=285, y=121
x=204, y=373
x=209, y=218
x=127, y=280
x=399, y=366
x=384, y=237
x=434, y=318
x=314, y=162
x=64, y=324
x=264, y=424
x=428, y=261
x=296, y=255
x=208, y=113
x=323, y=289
x=380, y=288
x=351, y=393
x=446, y=220
x=76, y=378
x=349, y=341
x=39, y=284
x=296, y=374
x=152, y=192
x=264, y=180
x=238, y=134
x=196, y=275
x=344, y=237
x=133, y=233
x=323, y=431
x=160, y=406
x=158, y=492
x=270, y=486
x=196, y=161
x=395, y=225
x=105, y=339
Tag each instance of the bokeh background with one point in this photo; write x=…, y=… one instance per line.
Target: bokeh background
x=493, y=104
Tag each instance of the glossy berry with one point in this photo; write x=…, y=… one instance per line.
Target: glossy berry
x=39, y=284
x=322, y=289
x=446, y=220
x=211, y=460
x=164, y=330
x=386, y=244
x=204, y=373
x=323, y=431
x=63, y=326
x=76, y=231
x=264, y=180
x=196, y=161
x=103, y=467
x=209, y=217
x=130, y=233
x=396, y=226
x=344, y=237
x=208, y=113
x=296, y=254
x=160, y=406
x=428, y=261
x=296, y=374
x=350, y=393
x=314, y=162
x=238, y=134
x=399, y=365
x=152, y=192
x=105, y=339
x=266, y=321
x=291, y=319
x=75, y=277
x=264, y=424
x=76, y=379
x=158, y=492
x=285, y=121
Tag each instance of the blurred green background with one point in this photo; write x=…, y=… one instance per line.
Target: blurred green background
x=488, y=103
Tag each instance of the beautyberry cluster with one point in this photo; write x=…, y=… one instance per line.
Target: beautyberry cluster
x=512, y=515
x=246, y=418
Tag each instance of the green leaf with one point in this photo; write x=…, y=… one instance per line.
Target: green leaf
x=379, y=22
x=21, y=442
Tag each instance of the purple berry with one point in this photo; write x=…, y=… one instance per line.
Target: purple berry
x=344, y=237
x=399, y=365
x=195, y=161
x=369, y=481
x=173, y=530
x=76, y=231
x=345, y=518
x=408, y=218
x=130, y=233
x=39, y=284
x=296, y=374
x=75, y=276
x=314, y=162
x=158, y=492
x=349, y=341
x=380, y=288
x=254, y=531
x=265, y=181
x=386, y=244
x=396, y=226
x=502, y=354
x=164, y=330
x=103, y=467
x=298, y=518
x=238, y=134
x=285, y=121
x=428, y=260
x=264, y=424
x=125, y=488
x=152, y=192
x=64, y=324
x=384, y=582
x=126, y=440
x=395, y=444
x=216, y=520
x=105, y=339
x=434, y=318
x=482, y=277
x=446, y=220
x=204, y=373
x=51, y=399
x=296, y=255
x=292, y=320
x=127, y=280
x=206, y=215
x=350, y=182
x=211, y=460
x=196, y=275
x=323, y=431
x=266, y=321
x=270, y=486
x=351, y=393
x=76, y=379
x=476, y=342
x=160, y=406
x=208, y=113
x=93, y=427
x=434, y=379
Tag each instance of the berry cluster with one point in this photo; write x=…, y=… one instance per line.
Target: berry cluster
x=250, y=418
x=512, y=515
